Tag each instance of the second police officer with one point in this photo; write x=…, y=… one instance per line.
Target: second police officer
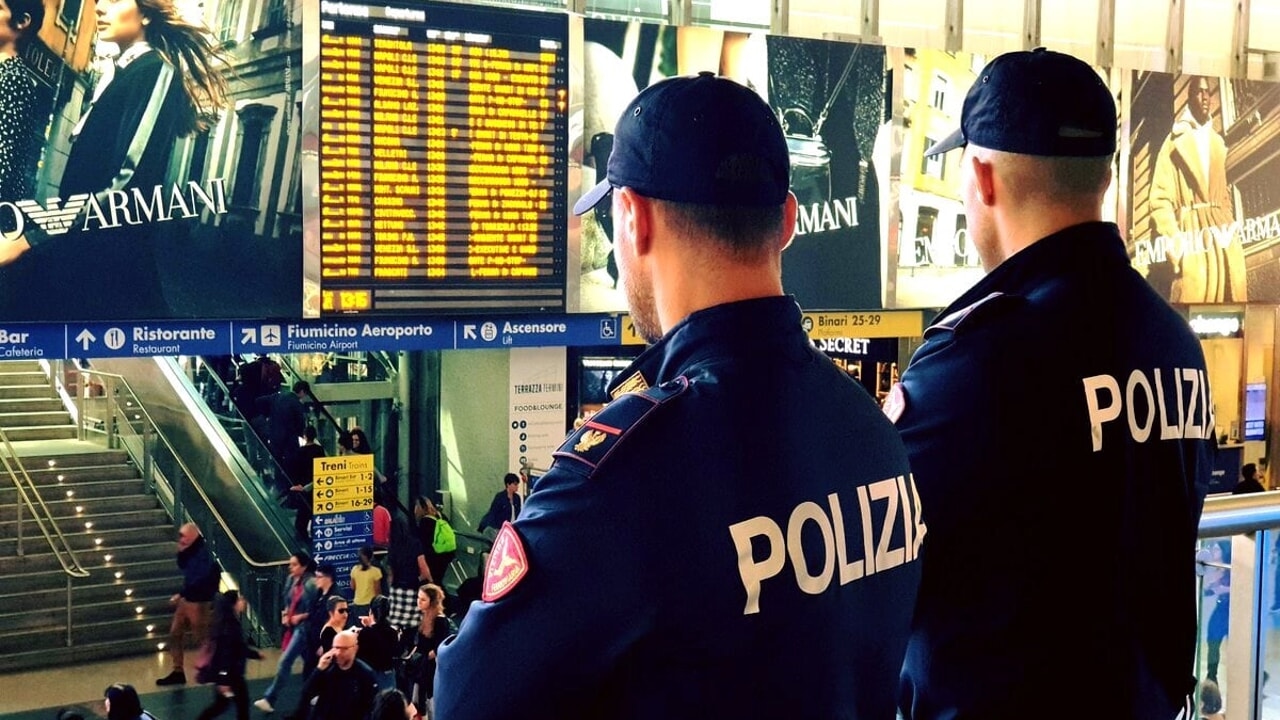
x=1059, y=425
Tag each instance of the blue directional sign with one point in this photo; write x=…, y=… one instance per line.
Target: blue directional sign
x=33, y=342
x=141, y=339
x=326, y=545
x=538, y=331
x=357, y=521
x=341, y=335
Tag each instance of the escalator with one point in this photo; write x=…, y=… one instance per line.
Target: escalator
x=218, y=468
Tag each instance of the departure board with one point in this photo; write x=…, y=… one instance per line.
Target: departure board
x=443, y=169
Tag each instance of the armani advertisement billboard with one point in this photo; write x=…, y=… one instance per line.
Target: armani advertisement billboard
x=1205, y=209
x=166, y=182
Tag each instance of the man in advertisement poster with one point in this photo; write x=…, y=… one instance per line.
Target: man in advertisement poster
x=1192, y=207
x=787, y=590
x=1062, y=358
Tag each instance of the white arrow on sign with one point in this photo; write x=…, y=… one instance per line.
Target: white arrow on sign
x=468, y=332
x=248, y=335
x=85, y=337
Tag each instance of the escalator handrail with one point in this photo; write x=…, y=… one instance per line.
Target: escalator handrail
x=213, y=510
x=9, y=459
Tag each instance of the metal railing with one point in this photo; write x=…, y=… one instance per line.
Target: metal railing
x=1251, y=522
x=44, y=520
x=107, y=411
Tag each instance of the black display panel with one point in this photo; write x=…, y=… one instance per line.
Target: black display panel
x=442, y=183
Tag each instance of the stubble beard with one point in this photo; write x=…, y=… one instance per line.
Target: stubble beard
x=644, y=310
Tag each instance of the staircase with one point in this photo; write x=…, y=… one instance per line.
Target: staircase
x=117, y=529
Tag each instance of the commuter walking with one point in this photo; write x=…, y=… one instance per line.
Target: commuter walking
x=1065, y=360
x=798, y=531
x=297, y=598
x=227, y=662
x=192, y=603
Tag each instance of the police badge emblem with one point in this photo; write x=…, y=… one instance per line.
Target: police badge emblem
x=508, y=564
x=895, y=403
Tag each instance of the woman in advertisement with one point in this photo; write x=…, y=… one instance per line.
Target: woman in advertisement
x=24, y=104
x=166, y=83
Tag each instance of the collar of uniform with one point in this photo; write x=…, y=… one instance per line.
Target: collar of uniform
x=746, y=325
x=1087, y=245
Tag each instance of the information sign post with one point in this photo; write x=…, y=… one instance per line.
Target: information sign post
x=342, y=503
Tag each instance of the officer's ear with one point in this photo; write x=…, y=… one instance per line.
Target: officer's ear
x=790, y=211
x=984, y=176
x=634, y=214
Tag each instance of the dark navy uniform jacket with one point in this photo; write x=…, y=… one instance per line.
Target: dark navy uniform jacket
x=1059, y=425
x=737, y=541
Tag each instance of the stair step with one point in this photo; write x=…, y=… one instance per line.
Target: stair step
x=14, y=420
x=21, y=365
x=17, y=376
x=43, y=475
x=41, y=432
x=77, y=460
x=16, y=390
x=109, y=609
x=53, y=651
x=93, y=623
x=139, y=572
x=79, y=491
x=18, y=405
x=62, y=508
x=83, y=593
x=40, y=559
x=81, y=542
x=77, y=525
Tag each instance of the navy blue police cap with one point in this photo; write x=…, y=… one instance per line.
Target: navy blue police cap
x=1037, y=102
x=697, y=139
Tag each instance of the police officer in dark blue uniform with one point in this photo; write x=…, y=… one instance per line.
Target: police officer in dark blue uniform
x=735, y=534
x=1059, y=425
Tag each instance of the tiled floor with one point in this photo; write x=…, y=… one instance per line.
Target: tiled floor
x=37, y=694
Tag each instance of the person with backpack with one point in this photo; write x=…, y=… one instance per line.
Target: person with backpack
x=439, y=542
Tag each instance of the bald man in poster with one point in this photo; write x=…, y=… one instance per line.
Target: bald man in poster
x=1192, y=207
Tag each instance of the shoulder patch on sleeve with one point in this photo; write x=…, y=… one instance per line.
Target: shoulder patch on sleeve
x=508, y=564
x=589, y=445
x=970, y=315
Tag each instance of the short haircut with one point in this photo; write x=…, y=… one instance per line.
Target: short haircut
x=1057, y=179
x=309, y=432
x=511, y=479
x=1079, y=175
x=302, y=386
x=743, y=230
x=1249, y=470
x=333, y=602
x=18, y=8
